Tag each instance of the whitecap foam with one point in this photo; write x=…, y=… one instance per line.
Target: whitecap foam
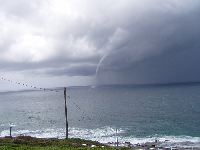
x=108, y=134
x=8, y=125
x=47, y=133
x=95, y=134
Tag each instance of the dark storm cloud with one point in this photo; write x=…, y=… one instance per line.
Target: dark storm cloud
x=160, y=47
x=124, y=41
x=78, y=70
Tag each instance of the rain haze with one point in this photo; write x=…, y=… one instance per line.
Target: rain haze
x=54, y=43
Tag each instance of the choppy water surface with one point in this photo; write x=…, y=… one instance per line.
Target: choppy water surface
x=140, y=114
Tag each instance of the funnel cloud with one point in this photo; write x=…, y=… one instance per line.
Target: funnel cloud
x=159, y=47
x=75, y=42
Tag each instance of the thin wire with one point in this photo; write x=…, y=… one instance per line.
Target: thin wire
x=27, y=85
x=44, y=89
x=78, y=107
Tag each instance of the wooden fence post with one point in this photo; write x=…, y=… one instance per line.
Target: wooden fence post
x=65, y=96
x=10, y=132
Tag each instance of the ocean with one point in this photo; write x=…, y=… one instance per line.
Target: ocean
x=136, y=114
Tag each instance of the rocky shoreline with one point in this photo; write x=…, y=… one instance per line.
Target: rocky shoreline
x=157, y=145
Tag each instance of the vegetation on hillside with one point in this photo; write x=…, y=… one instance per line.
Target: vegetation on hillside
x=30, y=143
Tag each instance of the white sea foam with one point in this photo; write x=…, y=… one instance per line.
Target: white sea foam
x=8, y=125
x=108, y=134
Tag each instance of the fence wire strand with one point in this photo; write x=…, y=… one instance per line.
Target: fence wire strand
x=46, y=89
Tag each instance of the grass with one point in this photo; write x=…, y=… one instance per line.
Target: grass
x=30, y=143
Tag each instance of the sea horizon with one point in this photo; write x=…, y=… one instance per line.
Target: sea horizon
x=108, y=85
x=141, y=114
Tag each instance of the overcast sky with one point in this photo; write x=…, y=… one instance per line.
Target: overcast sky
x=84, y=42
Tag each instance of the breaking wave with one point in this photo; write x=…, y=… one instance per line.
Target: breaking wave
x=108, y=135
